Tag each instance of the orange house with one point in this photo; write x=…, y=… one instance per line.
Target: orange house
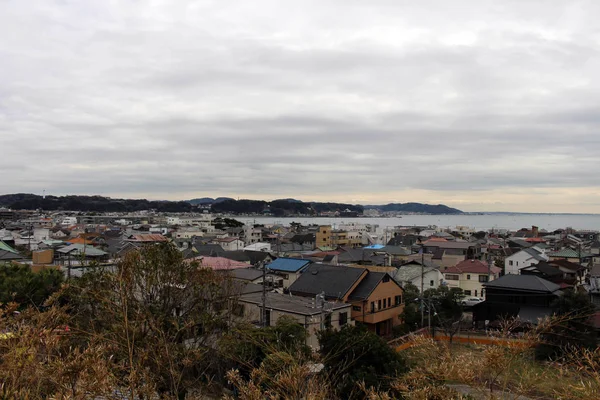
x=377, y=300
x=378, y=303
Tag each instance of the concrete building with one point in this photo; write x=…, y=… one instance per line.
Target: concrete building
x=315, y=314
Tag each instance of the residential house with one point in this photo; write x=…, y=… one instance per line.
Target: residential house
x=447, y=253
x=375, y=297
x=570, y=269
x=526, y=297
x=313, y=313
x=524, y=258
x=415, y=273
x=7, y=253
x=470, y=276
x=575, y=256
x=377, y=302
x=288, y=268
x=551, y=273
x=593, y=286
x=255, y=276
x=147, y=238
x=229, y=243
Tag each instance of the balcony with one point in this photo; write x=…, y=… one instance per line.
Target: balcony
x=380, y=315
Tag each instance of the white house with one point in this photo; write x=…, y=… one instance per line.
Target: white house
x=258, y=247
x=412, y=273
x=524, y=258
x=229, y=243
x=68, y=221
x=172, y=220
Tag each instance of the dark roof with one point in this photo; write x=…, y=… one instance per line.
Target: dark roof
x=303, y=238
x=520, y=243
x=288, y=264
x=568, y=265
x=426, y=263
x=245, y=274
x=7, y=255
x=335, y=281
x=544, y=268
x=402, y=240
x=236, y=255
x=526, y=283
x=395, y=250
x=257, y=256
x=367, y=285
x=211, y=250
x=287, y=303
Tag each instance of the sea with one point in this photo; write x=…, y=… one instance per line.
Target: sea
x=498, y=221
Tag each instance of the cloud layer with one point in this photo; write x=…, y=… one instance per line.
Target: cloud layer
x=482, y=105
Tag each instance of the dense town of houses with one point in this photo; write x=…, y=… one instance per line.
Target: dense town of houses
x=325, y=275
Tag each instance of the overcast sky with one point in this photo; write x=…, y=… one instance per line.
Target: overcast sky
x=480, y=105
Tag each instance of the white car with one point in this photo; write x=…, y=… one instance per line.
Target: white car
x=471, y=301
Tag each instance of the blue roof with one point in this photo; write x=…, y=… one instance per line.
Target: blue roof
x=288, y=264
x=375, y=246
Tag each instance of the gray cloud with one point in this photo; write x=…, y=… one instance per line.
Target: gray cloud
x=310, y=99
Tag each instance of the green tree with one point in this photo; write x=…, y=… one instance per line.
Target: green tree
x=571, y=328
x=353, y=355
x=445, y=304
x=157, y=316
x=248, y=346
x=20, y=285
x=411, y=316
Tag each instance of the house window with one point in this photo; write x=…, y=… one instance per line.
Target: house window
x=431, y=282
x=467, y=292
x=517, y=263
x=468, y=277
x=452, y=277
x=483, y=278
x=510, y=262
x=379, y=305
x=356, y=308
x=343, y=318
x=267, y=317
x=372, y=306
x=397, y=300
x=476, y=293
x=327, y=322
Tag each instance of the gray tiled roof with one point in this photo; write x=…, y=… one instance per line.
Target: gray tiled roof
x=534, y=253
x=287, y=303
x=335, y=281
x=367, y=285
x=529, y=283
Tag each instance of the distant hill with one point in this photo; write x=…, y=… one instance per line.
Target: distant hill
x=283, y=207
x=415, y=208
x=27, y=201
x=208, y=200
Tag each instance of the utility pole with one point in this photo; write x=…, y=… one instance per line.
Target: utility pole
x=263, y=314
x=422, y=285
